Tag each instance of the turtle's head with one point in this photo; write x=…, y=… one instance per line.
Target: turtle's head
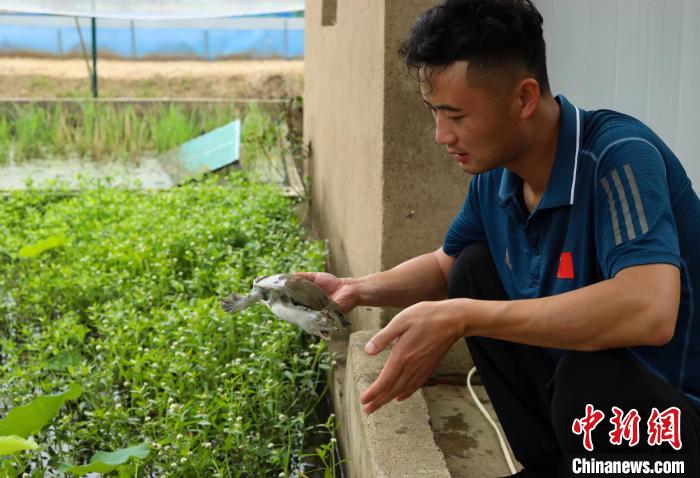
x=320, y=324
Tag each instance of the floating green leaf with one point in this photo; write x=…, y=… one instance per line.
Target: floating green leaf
x=31, y=418
x=43, y=245
x=64, y=359
x=104, y=462
x=11, y=444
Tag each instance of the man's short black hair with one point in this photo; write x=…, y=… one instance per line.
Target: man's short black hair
x=491, y=34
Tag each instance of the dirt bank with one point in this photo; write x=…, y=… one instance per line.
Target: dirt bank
x=45, y=78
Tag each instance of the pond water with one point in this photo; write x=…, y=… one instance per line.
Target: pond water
x=148, y=172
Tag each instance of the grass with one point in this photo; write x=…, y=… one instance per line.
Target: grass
x=104, y=131
x=263, y=143
x=116, y=291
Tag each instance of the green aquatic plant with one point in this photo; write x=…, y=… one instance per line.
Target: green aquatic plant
x=128, y=307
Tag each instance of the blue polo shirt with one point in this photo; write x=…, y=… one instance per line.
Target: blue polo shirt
x=616, y=197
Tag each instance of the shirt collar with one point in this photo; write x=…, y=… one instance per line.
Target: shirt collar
x=562, y=180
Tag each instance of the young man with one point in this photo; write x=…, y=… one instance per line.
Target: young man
x=572, y=267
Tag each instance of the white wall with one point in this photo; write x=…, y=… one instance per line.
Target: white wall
x=640, y=57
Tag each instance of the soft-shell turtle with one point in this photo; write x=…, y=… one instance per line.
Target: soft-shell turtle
x=294, y=299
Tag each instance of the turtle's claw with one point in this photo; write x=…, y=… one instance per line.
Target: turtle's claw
x=230, y=303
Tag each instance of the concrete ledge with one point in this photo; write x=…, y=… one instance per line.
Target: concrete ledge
x=395, y=441
x=438, y=432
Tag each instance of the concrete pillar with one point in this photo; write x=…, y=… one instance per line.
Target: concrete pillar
x=382, y=191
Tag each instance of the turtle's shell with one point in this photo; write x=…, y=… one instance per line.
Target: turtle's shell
x=298, y=289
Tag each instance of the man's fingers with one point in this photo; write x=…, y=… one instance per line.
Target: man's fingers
x=344, y=304
x=417, y=380
x=384, y=397
x=421, y=374
x=324, y=280
x=332, y=286
x=387, y=378
x=384, y=337
x=395, y=391
x=379, y=387
x=309, y=276
x=410, y=380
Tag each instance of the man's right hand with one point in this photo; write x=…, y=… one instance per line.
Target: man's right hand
x=339, y=289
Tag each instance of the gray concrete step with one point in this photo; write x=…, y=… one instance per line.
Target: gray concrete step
x=438, y=432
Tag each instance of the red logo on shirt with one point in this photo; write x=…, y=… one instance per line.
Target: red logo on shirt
x=566, y=266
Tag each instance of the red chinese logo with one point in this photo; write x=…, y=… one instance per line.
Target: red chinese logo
x=662, y=427
x=626, y=427
x=587, y=424
x=665, y=427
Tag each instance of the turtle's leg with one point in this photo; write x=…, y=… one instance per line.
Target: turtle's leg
x=311, y=321
x=319, y=324
x=236, y=302
x=322, y=325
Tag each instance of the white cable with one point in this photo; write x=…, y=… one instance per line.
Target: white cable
x=504, y=446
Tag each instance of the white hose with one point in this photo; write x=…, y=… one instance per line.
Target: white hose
x=504, y=446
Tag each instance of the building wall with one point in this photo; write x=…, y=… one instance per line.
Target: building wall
x=640, y=57
x=343, y=117
x=423, y=186
x=382, y=191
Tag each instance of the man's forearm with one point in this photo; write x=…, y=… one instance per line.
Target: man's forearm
x=637, y=308
x=415, y=280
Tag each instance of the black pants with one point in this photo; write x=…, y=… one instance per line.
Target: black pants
x=538, y=401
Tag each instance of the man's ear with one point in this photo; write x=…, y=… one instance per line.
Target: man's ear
x=528, y=97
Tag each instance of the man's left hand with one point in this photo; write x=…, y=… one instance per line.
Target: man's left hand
x=424, y=333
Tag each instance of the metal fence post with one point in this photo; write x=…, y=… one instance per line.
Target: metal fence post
x=94, y=57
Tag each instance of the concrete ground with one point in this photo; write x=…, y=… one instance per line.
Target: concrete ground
x=468, y=442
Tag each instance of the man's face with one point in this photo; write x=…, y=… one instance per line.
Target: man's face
x=477, y=124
